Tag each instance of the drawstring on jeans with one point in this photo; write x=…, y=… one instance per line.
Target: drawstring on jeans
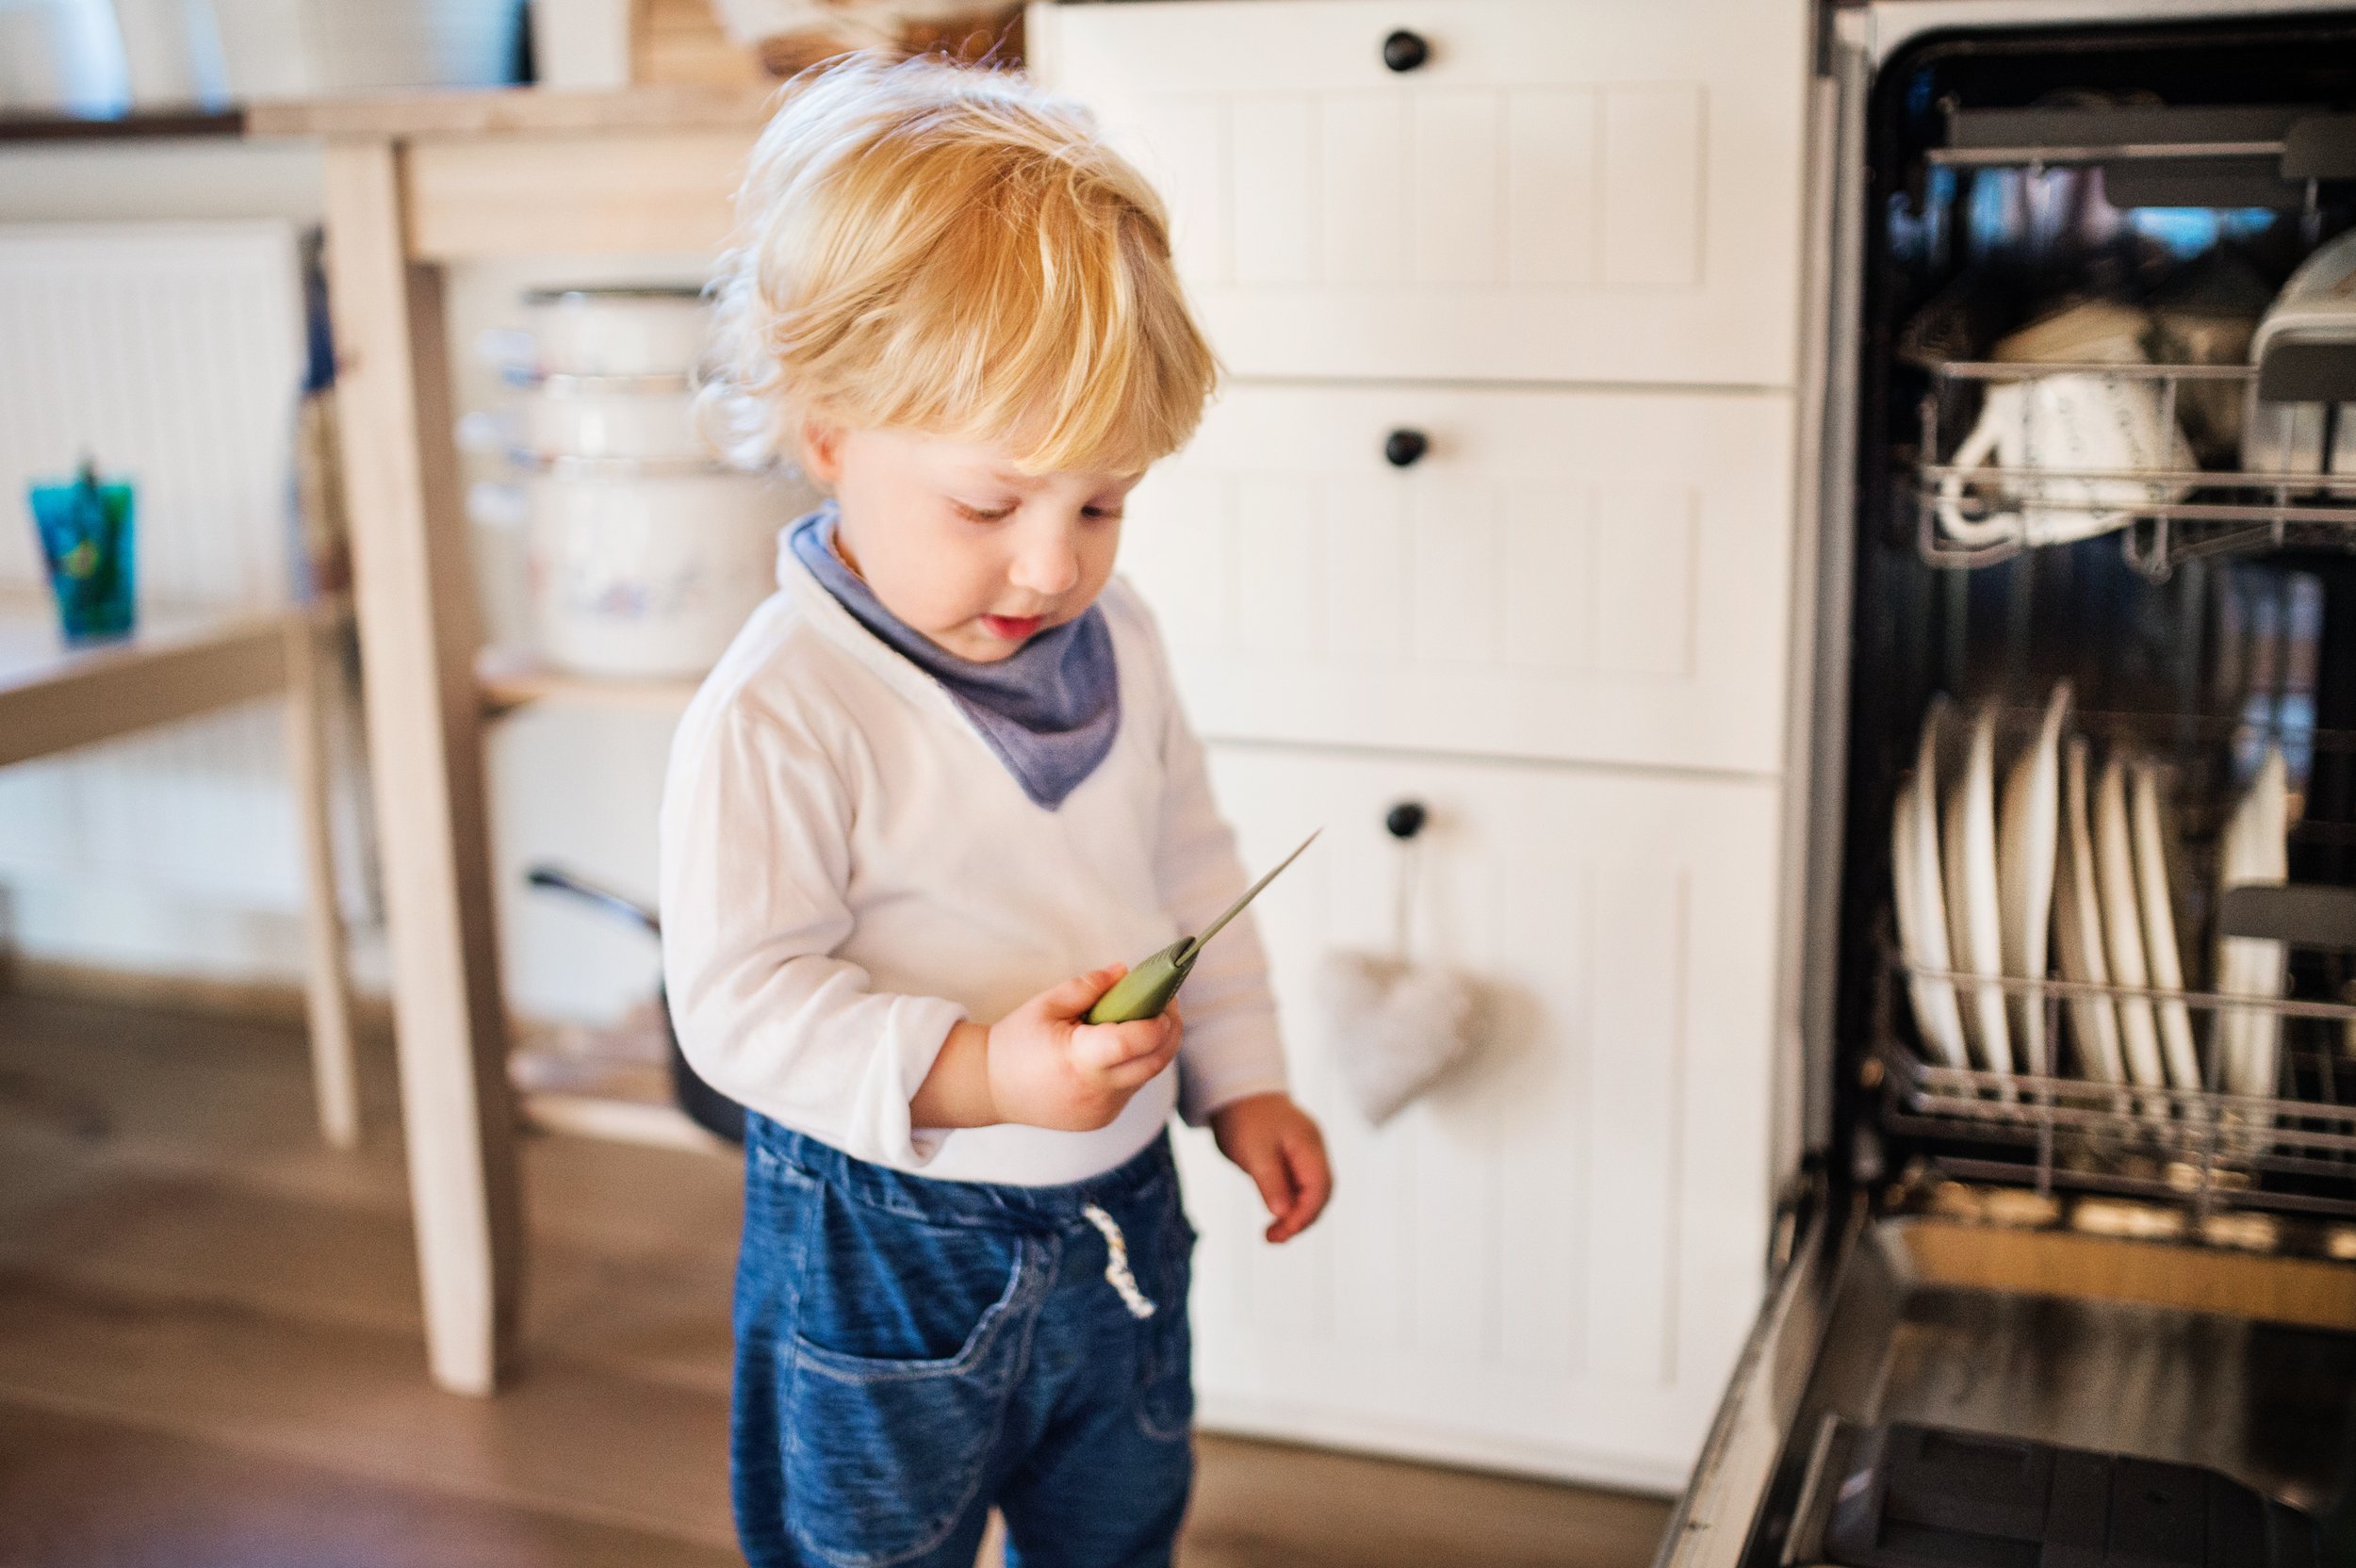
x=1117, y=1262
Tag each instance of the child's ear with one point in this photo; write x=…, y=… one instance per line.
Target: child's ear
x=822, y=450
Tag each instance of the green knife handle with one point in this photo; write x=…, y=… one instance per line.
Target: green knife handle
x=1145, y=991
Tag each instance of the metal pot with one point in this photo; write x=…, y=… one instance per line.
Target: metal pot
x=618, y=329
x=646, y=569
x=648, y=418
x=706, y=1106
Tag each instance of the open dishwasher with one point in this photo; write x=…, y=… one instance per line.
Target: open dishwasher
x=2070, y=1277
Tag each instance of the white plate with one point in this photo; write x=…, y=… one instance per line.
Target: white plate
x=2123, y=930
x=2078, y=927
x=2160, y=951
x=1922, y=905
x=1974, y=917
x=2256, y=850
x=2027, y=844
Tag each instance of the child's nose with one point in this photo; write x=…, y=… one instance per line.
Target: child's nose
x=1047, y=569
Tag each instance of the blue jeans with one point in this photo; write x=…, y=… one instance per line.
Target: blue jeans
x=910, y=1352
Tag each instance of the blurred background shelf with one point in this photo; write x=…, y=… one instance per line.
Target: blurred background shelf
x=610, y=1083
x=621, y=1111
x=514, y=678
x=180, y=664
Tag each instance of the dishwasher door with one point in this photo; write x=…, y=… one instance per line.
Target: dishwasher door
x=1748, y=1482
x=2238, y=1362
x=1866, y=1323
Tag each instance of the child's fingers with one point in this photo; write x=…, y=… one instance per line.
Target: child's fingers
x=1076, y=995
x=1138, y=1070
x=1103, y=1047
x=1312, y=1186
x=1274, y=1178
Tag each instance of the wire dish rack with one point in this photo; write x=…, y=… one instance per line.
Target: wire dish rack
x=2203, y=1148
x=2164, y=515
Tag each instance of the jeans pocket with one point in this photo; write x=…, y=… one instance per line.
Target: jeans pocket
x=1166, y=1404
x=885, y=1455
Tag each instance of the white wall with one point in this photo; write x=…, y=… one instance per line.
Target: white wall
x=574, y=785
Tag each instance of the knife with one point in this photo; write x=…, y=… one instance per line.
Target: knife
x=1146, y=990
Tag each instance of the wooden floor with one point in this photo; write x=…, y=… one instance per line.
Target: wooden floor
x=210, y=1355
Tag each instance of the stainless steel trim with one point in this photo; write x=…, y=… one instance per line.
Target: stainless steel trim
x=1889, y=26
x=1814, y=1510
x=2124, y=152
x=2021, y=369
x=2024, y=484
x=1821, y=768
x=1792, y=1126
x=1714, y=1519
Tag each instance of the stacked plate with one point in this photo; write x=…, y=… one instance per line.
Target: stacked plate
x=2066, y=871
x=643, y=553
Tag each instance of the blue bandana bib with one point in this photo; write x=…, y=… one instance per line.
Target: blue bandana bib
x=1049, y=710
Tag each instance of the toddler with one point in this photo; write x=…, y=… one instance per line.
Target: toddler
x=937, y=788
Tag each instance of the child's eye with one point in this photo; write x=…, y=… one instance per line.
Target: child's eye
x=982, y=513
x=1102, y=513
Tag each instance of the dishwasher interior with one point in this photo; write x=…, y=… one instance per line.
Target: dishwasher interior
x=2091, y=1174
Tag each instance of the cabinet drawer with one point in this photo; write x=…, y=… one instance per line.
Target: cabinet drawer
x=1550, y=1261
x=1596, y=576
x=1565, y=190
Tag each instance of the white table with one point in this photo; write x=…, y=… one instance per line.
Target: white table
x=180, y=664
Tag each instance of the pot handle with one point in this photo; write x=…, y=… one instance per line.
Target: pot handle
x=559, y=880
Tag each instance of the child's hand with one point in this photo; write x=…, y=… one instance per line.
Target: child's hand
x=1046, y=1068
x=1277, y=1144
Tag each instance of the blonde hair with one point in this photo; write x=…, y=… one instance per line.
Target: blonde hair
x=932, y=247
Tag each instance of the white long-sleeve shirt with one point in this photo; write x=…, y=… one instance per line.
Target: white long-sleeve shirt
x=848, y=871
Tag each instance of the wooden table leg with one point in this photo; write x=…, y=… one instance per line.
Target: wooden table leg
x=329, y=997
x=416, y=605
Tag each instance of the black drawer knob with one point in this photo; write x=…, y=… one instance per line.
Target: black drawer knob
x=1404, y=449
x=1406, y=818
x=1405, y=51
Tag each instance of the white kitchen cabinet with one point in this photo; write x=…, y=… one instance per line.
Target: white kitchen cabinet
x=1598, y=191
x=1494, y=511
x=1596, y=576
x=1550, y=1263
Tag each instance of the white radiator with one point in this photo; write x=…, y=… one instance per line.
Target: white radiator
x=172, y=353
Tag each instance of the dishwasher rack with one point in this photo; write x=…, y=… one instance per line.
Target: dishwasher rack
x=2218, y=512
x=2204, y=1149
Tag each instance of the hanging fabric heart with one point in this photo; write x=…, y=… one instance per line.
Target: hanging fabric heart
x=1398, y=1025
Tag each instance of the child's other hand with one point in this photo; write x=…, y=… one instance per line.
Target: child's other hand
x=1277, y=1144
x=1048, y=1068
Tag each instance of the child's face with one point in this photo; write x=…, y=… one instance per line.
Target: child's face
x=958, y=544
